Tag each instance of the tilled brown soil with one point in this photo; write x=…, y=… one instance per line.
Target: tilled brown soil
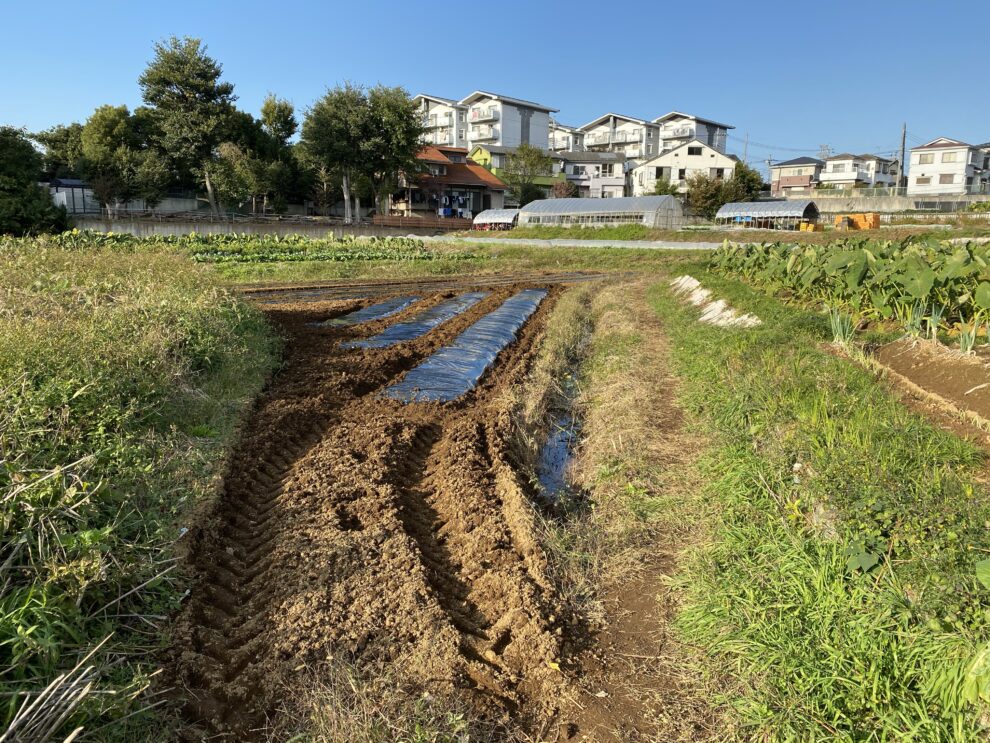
x=352, y=526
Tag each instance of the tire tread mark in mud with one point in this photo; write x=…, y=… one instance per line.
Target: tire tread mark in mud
x=229, y=610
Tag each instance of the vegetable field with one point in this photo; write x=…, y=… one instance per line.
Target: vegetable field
x=924, y=285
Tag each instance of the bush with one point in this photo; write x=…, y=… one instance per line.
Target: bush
x=122, y=373
x=25, y=207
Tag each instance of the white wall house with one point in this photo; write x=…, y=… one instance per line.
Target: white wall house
x=502, y=121
x=565, y=138
x=858, y=171
x=612, y=132
x=678, y=128
x=445, y=121
x=597, y=175
x=795, y=177
x=678, y=165
x=948, y=166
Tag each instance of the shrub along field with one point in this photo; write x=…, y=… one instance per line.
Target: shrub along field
x=846, y=585
x=122, y=376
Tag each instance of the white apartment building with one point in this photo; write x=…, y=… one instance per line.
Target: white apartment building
x=502, y=121
x=445, y=121
x=597, y=175
x=565, y=138
x=635, y=138
x=678, y=165
x=676, y=129
x=858, y=171
x=948, y=166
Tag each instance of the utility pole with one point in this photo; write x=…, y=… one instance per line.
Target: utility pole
x=902, y=176
x=746, y=149
x=769, y=162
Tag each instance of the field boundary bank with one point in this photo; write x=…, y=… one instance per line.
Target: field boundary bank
x=906, y=386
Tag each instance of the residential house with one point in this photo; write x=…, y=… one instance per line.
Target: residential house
x=495, y=159
x=680, y=164
x=612, y=132
x=676, y=129
x=597, y=175
x=948, y=166
x=795, y=177
x=502, y=121
x=445, y=121
x=565, y=138
x=858, y=171
x=451, y=185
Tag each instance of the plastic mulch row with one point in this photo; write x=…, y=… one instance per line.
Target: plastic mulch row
x=378, y=311
x=456, y=368
x=420, y=324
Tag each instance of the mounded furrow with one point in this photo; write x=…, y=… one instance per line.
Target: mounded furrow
x=354, y=527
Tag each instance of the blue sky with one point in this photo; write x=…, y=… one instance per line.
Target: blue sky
x=793, y=75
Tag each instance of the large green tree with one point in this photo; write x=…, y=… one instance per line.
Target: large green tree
x=25, y=207
x=116, y=164
x=706, y=195
x=336, y=132
x=63, y=150
x=396, y=127
x=523, y=166
x=190, y=106
x=278, y=117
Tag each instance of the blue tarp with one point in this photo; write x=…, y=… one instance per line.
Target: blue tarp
x=373, y=312
x=420, y=324
x=455, y=369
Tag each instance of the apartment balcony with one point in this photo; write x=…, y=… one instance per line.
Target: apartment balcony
x=440, y=138
x=484, y=133
x=438, y=121
x=480, y=114
x=680, y=132
x=621, y=137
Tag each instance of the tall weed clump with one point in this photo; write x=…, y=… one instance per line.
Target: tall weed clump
x=122, y=374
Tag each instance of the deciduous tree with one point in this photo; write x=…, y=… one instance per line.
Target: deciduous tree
x=523, y=166
x=336, y=132
x=564, y=190
x=63, y=150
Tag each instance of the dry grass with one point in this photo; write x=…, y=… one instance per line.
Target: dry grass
x=640, y=509
x=377, y=705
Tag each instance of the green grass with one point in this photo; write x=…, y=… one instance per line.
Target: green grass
x=840, y=585
x=123, y=373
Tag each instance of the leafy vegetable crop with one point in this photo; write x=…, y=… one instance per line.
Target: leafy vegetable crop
x=875, y=279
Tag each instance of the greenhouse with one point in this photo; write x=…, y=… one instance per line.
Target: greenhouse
x=495, y=219
x=768, y=215
x=659, y=212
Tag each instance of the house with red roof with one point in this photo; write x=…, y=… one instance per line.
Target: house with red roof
x=449, y=184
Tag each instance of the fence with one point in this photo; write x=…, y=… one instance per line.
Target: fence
x=430, y=223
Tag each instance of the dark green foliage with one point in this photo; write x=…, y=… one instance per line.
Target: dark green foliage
x=25, y=207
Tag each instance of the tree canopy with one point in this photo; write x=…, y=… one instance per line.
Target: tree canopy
x=25, y=207
x=523, y=166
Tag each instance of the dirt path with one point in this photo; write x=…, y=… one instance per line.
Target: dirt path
x=355, y=526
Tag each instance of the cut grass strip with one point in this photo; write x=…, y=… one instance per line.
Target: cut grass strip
x=840, y=586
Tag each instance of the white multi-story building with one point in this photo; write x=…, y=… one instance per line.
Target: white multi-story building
x=678, y=128
x=597, y=175
x=678, y=165
x=635, y=138
x=858, y=171
x=502, y=121
x=565, y=138
x=445, y=121
x=948, y=166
